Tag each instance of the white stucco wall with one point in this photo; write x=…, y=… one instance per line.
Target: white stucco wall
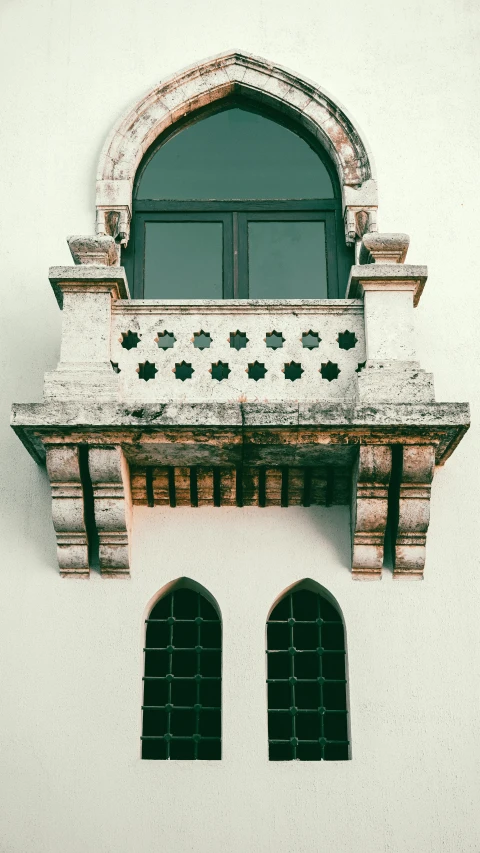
x=70, y=661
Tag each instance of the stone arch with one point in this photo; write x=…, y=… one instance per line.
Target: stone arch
x=215, y=79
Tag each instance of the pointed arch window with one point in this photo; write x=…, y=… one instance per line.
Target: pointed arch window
x=237, y=205
x=306, y=678
x=182, y=680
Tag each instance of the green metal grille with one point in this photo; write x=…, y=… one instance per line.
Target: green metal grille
x=182, y=681
x=307, y=695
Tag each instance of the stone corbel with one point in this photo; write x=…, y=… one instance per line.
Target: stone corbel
x=369, y=510
x=114, y=209
x=413, y=511
x=360, y=206
x=112, y=502
x=115, y=223
x=63, y=466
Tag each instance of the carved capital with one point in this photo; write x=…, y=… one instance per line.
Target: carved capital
x=413, y=511
x=369, y=510
x=112, y=505
x=63, y=466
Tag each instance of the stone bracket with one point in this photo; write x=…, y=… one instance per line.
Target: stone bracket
x=112, y=502
x=370, y=510
x=103, y=476
x=416, y=477
x=391, y=448
x=68, y=514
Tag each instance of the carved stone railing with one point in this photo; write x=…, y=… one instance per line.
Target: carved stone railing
x=240, y=403
x=237, y=350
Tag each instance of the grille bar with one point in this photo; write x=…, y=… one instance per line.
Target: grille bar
x=178, y=720
x=307, y=707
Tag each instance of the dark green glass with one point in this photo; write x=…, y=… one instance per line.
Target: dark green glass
x=287, y=260
x=235, y=154
x=183, y=260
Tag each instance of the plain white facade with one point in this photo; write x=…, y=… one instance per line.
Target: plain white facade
x=71, y=778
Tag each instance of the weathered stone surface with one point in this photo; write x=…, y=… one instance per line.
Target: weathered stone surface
x=230, y=74
x=384, y=248
x=369, y=510
x=85, y=293
x=418, y=467
x=373, y=395
x=63, y=466
x=100, y=250
x=387, y=382
x=110, y=479
x=149, y=432
x=391, y=372
x=256, y=320
x=390, y=276
x=86, y=278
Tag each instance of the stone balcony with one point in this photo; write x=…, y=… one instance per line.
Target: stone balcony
x=240, y=403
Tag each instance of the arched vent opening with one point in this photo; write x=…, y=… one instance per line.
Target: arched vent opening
x=306, y=678
x=182, y=679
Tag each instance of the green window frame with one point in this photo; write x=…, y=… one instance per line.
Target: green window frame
x=235, y=217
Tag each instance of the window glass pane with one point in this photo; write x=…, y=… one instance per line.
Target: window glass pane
x=287, y=260
x=183, y=260
x=235, y=154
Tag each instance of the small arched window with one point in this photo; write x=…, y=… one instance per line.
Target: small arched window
x=235, y=206
x=306, y=678
x=182, y=680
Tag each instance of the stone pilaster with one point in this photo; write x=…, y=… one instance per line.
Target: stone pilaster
x=85, y=293
x=63, y=466
x=113, y=508
x=369, y=510
x=390, y=290
x=413, y=511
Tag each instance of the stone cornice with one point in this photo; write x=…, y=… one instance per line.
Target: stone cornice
x=387, y=276
x=284, y=427
x=85, y=278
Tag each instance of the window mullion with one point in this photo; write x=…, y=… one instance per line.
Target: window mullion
x=242, y=246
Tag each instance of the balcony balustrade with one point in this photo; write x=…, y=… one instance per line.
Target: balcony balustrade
x=241, y=403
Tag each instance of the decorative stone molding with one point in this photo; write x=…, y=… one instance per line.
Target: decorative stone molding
x=370, y=510
x=416, y=477
x=204, y=441
x=225, y=76
x=63, y=466
x=384, y=248
x=97, y=251
x=112, y=506
x=317, y=350
x=326, y=389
